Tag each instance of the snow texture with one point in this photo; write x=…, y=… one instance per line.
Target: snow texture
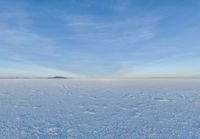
x=99, y=109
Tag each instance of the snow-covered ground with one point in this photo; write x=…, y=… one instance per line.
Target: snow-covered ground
x=100, y=109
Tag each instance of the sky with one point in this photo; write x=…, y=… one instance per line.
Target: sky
x=100, y=38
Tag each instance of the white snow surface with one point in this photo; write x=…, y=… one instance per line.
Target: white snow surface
x=99, y=109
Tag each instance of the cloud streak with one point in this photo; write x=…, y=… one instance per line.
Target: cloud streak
x=134, y=29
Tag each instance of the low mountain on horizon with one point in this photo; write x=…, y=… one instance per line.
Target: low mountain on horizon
x=59, y=77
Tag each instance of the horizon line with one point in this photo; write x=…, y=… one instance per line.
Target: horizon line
x=67, y=78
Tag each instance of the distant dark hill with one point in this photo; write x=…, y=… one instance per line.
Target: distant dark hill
x=59, y=77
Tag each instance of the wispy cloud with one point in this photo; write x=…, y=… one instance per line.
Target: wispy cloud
x=20, y=44
x=111, y=37
x=134, y=29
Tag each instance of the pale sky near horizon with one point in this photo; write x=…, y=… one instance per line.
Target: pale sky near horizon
x=100, y=38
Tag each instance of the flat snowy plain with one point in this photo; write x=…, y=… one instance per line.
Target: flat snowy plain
x=100, y=109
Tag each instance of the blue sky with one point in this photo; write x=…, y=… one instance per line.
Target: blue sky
x=100, y=38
